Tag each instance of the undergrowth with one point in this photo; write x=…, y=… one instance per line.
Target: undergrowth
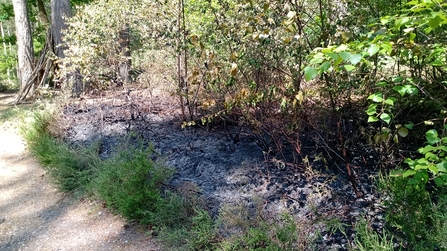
x=134, y=185
x=417, y=217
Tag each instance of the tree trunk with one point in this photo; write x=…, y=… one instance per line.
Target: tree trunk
x=25, y=52
x=42, y=13
x=125, y=66
x=59, y=10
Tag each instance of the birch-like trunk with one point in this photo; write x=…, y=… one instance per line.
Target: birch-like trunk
x=25, y=52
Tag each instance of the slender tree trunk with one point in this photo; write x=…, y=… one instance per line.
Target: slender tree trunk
x=3, y=38
x=42, y=13
x=124, y=67
x=25, y=50
x=59, y=10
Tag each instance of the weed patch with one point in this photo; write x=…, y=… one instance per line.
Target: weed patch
x=416, y=216
x=130, y=183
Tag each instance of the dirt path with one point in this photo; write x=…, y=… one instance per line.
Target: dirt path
x=35, y=216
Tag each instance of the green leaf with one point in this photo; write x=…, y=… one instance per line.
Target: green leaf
x=440, y=181
x=442, y=167
x=390, y=101
x=310, y=73
x=433, y=168
x=372, y=109
x=409, y=125
x=324, y=67
x=373, y=49
x=376, y=97
x=432, y=136
x=435, y=22
x=397, y=79
x=408, y=173
x=385, y=117
x=406, y=89
x=402, y=131
x=345, y=55
x=355, y=58
x=381, y=84
x=426, y=149
x=349, y=67
x=396, y=173
x=437, y=62
x=372, y=119
x=332, y=55
x=340, y=48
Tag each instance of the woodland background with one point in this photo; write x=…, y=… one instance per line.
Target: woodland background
x=366, y=79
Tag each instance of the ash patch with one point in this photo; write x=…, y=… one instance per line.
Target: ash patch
x=226, y=172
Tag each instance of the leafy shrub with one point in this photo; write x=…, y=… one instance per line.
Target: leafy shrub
x=130, y=182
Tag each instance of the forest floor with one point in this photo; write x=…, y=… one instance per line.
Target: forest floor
x=35, y=216
x=223, y=165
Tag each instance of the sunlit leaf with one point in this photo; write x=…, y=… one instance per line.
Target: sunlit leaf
x=355, y=58
x=385, y=117
x=432, y=136
x=349, y=67
x=345, y=55
x=310, y=73
x=376, y=97
x=373, y=49
x=408, y=173
x=396, y=173
x=372, y=119
x=372, y=109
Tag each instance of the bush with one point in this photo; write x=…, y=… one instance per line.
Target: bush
x=130, y=183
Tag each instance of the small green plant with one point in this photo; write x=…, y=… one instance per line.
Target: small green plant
x=367, y=239
x=434, y=162
x=130, y=182
x=203, y=232
x=415, y=216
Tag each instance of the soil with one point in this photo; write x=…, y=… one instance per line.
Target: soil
x=225, y=166
x=35, y=216
x=209, y=161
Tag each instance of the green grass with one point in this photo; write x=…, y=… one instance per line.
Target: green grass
x=367, y=239
x=416, y=217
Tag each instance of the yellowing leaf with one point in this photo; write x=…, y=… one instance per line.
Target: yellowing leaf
x=402, y=131
x=234, y=69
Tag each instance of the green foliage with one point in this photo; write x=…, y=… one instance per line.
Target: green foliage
x=416, y=217
x=367, y=239
x=6, y=12
x=130, y=183
x=95, y=48
x=203, y=232
x=434, y=162
x=69, y=168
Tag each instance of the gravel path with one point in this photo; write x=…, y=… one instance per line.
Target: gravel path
x=35, y=216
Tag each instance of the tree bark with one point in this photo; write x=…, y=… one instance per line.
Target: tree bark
x=125, y=66
x=25, y=52
x=42, y=13
x=59, y=10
